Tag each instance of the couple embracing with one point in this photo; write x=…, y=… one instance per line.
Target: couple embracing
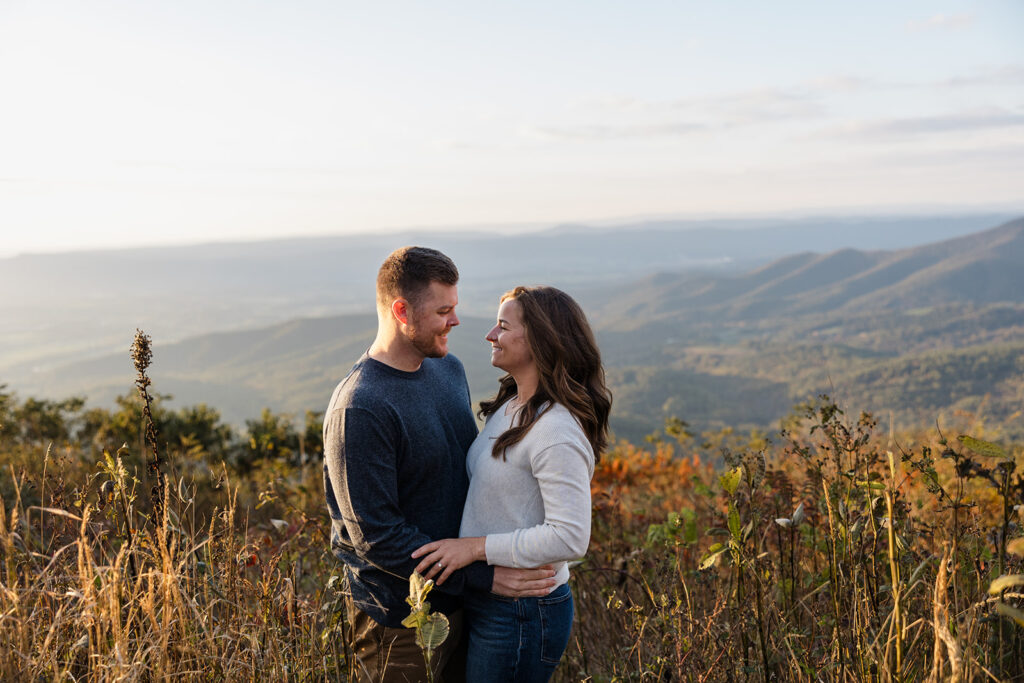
x=492, y=517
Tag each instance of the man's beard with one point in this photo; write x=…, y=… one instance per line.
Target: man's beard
x=427, y=344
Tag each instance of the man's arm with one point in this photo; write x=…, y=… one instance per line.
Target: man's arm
x=361, y=463
x=438, y=560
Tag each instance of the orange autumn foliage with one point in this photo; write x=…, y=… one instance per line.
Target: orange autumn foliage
x=639, y=485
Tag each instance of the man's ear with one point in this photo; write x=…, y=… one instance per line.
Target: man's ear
x=400, y=309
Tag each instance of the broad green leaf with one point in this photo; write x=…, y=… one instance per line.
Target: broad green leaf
x=1012, y=612
x=730, y=481
x=414, y=620
x=701, y=488
x=690, y=531
x=1004, y=582
x=712, y=555
x=734, y=522
x=432, y=632
x=985, y=448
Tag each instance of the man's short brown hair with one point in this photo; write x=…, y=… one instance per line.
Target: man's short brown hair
x=408, y=271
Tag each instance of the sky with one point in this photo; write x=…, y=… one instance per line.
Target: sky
x=156, y=122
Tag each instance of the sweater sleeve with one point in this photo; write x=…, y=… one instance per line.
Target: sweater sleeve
x=563, y=472
x=361, y=459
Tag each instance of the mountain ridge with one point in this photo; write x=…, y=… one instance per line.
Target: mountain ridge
x=983, y=268
x=710, y=348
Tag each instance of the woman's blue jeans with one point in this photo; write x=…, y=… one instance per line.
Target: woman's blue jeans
x=516, y=639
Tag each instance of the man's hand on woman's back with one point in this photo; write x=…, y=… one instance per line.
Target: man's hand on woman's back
x=523, y=583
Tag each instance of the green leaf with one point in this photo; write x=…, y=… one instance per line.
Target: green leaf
x=690, y=531
x=701, y=488
x=712, y=555
x=656, y=534
x=414, y=620
x=730, y=481
x=734, y=523
x=1004, y=582
x=985, y=448
x=432, y=632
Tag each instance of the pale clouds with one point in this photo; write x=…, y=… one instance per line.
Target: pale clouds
x=814, y=102
x=591, y=133
x=997, y=156
x=1003, y=75
x=757, y=106
x=625, y=118
x=740, y=107
x=942, y=22
x=885, y=130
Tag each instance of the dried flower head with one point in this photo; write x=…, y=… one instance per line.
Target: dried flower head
x=141, y=352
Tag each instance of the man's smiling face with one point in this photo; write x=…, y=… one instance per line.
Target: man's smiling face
x=432, y=318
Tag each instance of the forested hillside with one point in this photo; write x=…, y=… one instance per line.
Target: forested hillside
x=714, y=350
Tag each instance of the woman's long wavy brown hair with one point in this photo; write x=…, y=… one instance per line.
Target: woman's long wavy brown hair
x=568, y=362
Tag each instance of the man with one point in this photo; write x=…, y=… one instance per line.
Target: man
x=395, y=439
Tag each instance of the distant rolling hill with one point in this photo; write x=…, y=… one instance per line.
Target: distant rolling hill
x=979, y=269
x=921, y=333
x=71, y=306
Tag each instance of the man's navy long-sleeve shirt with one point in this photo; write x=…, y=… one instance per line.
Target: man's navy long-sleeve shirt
x=395, y=446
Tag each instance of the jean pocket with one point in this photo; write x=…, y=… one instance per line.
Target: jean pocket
x=555, y=624
x=558, y=596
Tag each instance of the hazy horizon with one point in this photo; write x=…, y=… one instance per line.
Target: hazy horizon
x=1008, y=210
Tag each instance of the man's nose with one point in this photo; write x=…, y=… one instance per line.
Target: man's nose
x=453, y=320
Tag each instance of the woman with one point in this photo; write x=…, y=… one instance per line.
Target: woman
x=529, y=491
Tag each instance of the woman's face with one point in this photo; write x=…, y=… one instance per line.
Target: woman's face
x=509, y=348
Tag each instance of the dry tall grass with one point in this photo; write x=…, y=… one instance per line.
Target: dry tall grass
x=823, y=559
x=832, y=555
x=94, y=589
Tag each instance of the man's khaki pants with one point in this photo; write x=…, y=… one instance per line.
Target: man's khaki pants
x=391, y=655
